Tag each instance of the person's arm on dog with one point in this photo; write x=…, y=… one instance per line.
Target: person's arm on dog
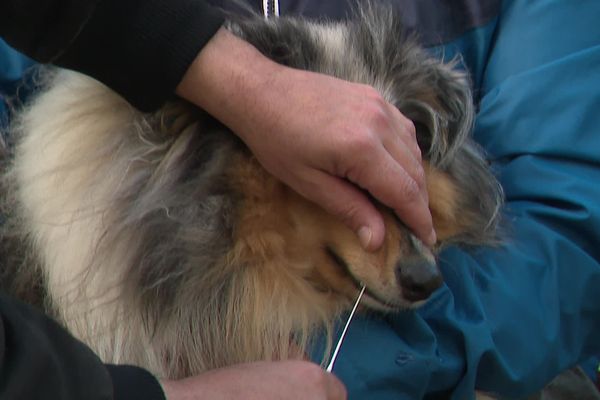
x=324, y=137
x=330, y=140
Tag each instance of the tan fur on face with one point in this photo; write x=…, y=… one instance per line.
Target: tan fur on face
x=277, y=223
x=443, y=203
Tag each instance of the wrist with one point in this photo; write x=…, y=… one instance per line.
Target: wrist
x=228, y=79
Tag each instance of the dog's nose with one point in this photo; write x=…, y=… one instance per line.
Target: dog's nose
x=418, y=278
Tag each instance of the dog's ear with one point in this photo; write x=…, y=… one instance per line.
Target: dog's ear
x=465, y=197
x=465, y=201
x=434, y=95
x=442, y=110
x=444, y=199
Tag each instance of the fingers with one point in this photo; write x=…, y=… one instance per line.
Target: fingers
x=392, y=185
x=404, y=130
x=335, y=388
x=405, y=152
x=345, y=201
x=261, y=380
x=322, y=383
x=388, y=166
x=383, y=157
x=409, y=161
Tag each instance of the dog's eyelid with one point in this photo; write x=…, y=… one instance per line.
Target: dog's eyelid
x=335, y=257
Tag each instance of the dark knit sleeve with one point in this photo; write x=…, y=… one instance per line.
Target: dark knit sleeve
x=139, y=48
x=40, y=360
x=142, y=48
x=133, y=383
x=43, y=29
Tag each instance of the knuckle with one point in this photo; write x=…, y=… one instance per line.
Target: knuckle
x=419, y=177
x=371, y=93
x=314, y=375
x=375, y=105
x=361, y=143
x=376, y=113
x=418, y=152
x=411, y=128
x=408, y=131
x=411, y=190
x=348, y=214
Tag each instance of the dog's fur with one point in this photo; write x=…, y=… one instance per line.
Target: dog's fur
x=161, y=242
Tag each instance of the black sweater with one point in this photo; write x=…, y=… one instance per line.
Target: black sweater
x=141, y=49
x=40, y=360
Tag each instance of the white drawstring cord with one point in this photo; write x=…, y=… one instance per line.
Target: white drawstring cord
x=267, y=8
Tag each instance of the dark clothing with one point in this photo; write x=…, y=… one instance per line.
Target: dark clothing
x=40, y=360
x=114, y=41
x=118, y=43
x=435, y=21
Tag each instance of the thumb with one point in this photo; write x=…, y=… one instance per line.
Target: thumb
x=335, y=388
x=348, y=203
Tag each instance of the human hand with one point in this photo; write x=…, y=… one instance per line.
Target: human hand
x=330, y=140
x=282, y=380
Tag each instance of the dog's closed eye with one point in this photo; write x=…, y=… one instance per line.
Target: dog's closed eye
x=336, y=258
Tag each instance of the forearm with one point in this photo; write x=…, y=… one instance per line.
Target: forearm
x=228, y=78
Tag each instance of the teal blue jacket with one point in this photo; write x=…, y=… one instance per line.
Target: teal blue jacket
x=12, y=67
x=510, y=318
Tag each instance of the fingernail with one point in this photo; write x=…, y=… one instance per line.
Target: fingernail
x=432, y=238
x=365, y=234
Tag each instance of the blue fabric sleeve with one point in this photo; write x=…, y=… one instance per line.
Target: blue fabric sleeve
x=12, y=65
x=510, y=318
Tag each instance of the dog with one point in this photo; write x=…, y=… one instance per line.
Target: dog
x=159, y=240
